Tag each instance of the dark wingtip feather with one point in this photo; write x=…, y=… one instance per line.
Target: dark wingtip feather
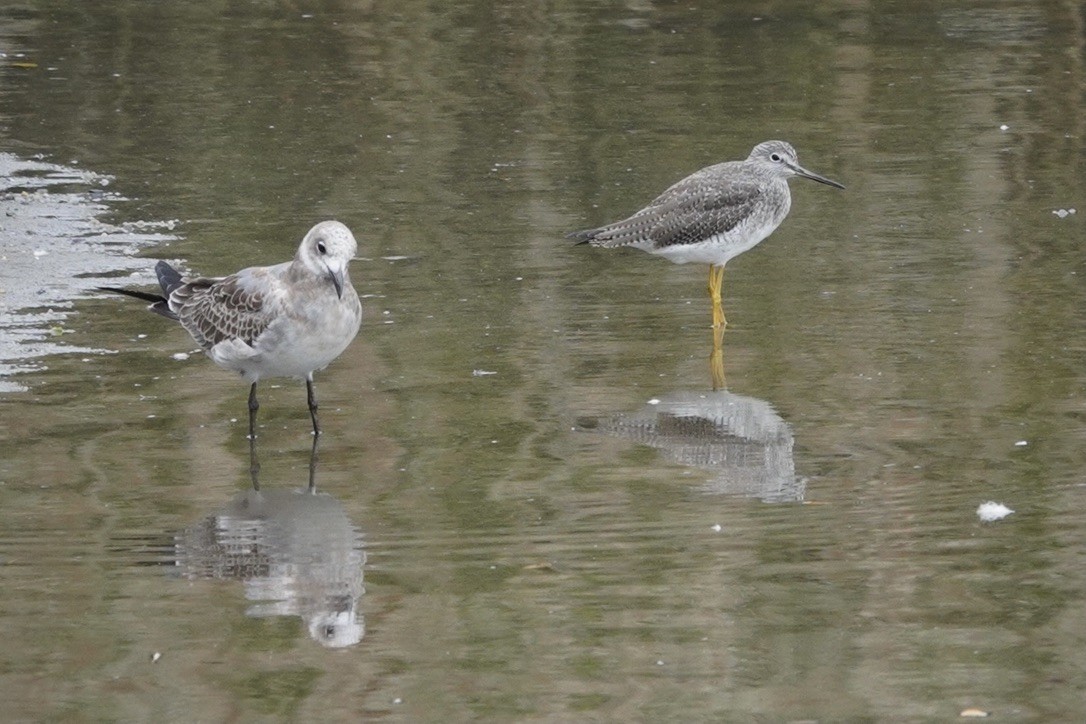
x=145, y=296
x=159, y=304
x=162, y=307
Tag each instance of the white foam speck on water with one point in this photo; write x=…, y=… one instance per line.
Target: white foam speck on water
x=992, y=511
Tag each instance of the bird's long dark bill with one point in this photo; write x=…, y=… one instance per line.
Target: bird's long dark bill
x=337, y=282
x=815, y=177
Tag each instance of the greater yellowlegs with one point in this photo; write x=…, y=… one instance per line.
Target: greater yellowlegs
x=287, y=320
x=713, y=214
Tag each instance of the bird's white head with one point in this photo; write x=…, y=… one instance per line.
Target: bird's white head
x=327, y=250
x=779, y=159
x=336, y=629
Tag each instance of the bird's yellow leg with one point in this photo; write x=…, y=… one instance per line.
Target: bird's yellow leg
x=716, y=359
x=716, y=281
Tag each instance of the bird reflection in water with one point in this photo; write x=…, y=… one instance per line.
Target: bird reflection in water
x=296, y=551
x=742, y=440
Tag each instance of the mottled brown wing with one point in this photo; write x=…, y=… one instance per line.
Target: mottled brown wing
x=702, y=209
x=213, y=310
x=694, y=209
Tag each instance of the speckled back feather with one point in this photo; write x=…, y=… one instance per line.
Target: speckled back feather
x=700, y=206
x=215, y=310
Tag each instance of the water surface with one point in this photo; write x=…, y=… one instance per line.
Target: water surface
x=540, y=508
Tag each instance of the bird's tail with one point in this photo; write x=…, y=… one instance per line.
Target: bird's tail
x=606, y=237
x=168, y=278
x=582, y=237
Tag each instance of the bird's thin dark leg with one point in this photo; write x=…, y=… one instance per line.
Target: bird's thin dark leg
x=313, y=465
x=253, y=407
x=312, y=398
x=254, y=464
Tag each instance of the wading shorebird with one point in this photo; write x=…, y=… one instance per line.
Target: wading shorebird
x=287, y=320
x=712, y=215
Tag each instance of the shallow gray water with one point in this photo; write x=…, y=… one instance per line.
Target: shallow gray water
x=530, y=504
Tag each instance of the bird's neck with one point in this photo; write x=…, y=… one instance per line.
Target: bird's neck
x=305, y=267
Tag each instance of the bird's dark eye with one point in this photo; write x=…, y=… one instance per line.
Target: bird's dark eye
x=321, y=248
x=775, y=157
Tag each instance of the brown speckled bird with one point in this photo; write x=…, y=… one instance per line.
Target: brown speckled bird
x=713, y=214
x=287, y=320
